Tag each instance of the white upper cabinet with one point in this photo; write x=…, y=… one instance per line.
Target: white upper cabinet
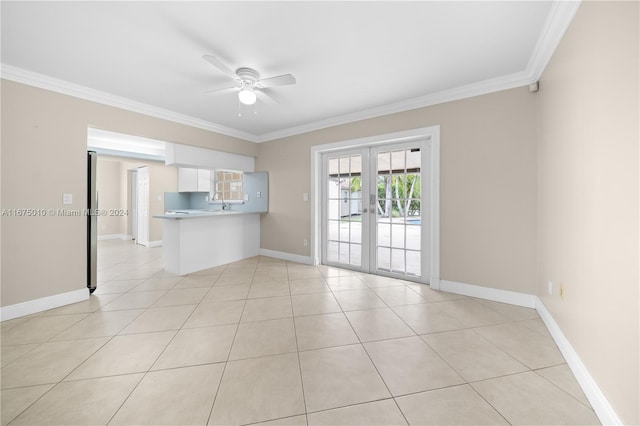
x=204, y=180
x=194, y=180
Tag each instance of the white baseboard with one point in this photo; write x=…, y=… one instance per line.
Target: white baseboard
x=149, y=244
x=115, y=237
x=493, y=294
x=43, y=304
x=286, y=256
x=598, y=401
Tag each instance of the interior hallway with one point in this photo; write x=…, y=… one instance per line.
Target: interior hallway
x=264, y=339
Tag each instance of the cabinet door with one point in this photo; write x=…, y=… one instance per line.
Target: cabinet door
x=204, y=180
x=187, y=179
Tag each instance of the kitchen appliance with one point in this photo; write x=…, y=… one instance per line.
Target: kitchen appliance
x=92, y=222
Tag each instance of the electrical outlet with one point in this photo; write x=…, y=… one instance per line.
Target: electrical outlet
x=562, y=291
x=305, y=196
x=550, y=288
x=206, y=198
x=306, y=243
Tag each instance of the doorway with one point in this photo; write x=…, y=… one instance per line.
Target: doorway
x=376, y=207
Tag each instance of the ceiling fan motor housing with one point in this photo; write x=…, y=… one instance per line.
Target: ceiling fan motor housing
x=248, y=74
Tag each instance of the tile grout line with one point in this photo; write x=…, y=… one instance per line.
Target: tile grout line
x=374, y=365
x=226, y=363
x=295, y=336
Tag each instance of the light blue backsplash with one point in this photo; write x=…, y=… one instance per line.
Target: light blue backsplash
x=176, y=200
x=252, y=184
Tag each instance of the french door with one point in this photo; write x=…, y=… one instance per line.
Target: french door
x=375, y=213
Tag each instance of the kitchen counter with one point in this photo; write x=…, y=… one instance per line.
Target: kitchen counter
x=195, y=214
x=215, y=238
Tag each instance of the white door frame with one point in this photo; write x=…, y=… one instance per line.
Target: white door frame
x=431, y=133
x=142, y=197
x=133, y=201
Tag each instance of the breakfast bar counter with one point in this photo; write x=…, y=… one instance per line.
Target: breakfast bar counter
x=194, y=240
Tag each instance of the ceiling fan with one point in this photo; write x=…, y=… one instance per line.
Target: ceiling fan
x=247, y=82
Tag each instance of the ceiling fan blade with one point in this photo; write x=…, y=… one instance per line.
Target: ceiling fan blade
x=222, y=91
x=220, y=65
x=281, y=80
x=266, y=98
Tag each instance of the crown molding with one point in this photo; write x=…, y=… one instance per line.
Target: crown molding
x=476, y=89
x=557, y=23
x=19, y=75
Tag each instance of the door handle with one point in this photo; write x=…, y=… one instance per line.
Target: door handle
x=365, y=210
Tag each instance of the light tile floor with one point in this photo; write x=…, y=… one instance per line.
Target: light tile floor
x=268, y=341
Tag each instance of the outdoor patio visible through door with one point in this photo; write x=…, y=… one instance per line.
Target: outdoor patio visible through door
x=375, y=212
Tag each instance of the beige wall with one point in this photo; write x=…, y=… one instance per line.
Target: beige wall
x=161, y=179
x=109, y=187
x=44, y=144
x=588, y=196
x=488, y=186
x=534, y=188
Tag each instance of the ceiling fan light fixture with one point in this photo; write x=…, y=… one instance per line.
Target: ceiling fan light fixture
x=247, y=96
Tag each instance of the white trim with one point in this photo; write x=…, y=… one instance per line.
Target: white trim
x=150, y=244
x=114, y=237
x=431, y=133
x=488, y=293
x=463, y=92
x=43, y=304
x=558, y=20
x=285, y=256
x=434, y=251
x=42, y=81
x=598, y=401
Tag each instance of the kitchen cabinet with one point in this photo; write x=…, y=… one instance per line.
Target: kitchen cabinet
x=204, y=180
x=194, y=180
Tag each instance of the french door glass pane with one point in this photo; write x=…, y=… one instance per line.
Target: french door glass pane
x=356, y=255
x=384, y=234
x=398, y=210
x=332, y=230
x=344, y=209
x=413, y=263
x=413, y=237
x=344, y=253
x=397, y=235
x=356, y=232
x=384, y=258
x=397, y=261
x=333, y=206
x=332, y=251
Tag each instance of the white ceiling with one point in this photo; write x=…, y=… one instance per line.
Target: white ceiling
x=352, y=60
